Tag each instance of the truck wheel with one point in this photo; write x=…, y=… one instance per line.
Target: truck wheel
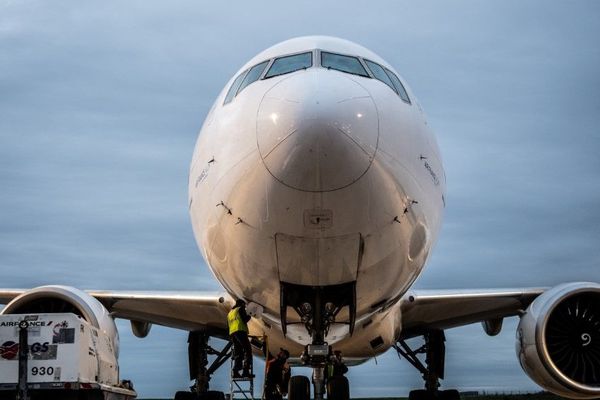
x=299, y=388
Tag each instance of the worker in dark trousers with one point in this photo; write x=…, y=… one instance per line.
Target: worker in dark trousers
x=336, y=366
x=278, y=376
x=237, y=320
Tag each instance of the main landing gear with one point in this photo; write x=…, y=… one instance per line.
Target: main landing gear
x=200, y=371
x=435, y=353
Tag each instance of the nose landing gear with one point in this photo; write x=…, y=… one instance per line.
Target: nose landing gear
x=318, y=308
x=318, y=356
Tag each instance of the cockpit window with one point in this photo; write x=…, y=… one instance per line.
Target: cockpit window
x=253, y=74
x=287, y=64
x=342, y=63
x=380, y=74
x=234, y=87
x=399, y=87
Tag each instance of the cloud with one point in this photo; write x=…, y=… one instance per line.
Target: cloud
x=100, y=104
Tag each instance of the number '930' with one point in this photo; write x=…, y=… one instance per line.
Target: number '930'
x=42, y=371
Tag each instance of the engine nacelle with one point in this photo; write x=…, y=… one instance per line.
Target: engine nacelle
x=558, y=340
x=66, y=299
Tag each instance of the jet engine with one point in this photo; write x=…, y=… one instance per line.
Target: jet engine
x=66, y=299
x=558, y=340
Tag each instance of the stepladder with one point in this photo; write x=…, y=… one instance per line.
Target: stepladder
x=243, y=387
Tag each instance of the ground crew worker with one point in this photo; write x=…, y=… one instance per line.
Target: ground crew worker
x=278, y=376
x=238, y=332
x=336, y=366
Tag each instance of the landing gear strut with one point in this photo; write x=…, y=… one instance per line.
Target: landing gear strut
x=435, y=353
x=318, y=307
x=200, y=371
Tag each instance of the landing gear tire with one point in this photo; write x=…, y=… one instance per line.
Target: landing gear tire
x=212, y=395
x=299, y=388
x=420, y=395
x=185, y=396
x=427, y=395
x=338, y=388
x=449, y=395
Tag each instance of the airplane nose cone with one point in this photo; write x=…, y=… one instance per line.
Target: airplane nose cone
x=317, y=131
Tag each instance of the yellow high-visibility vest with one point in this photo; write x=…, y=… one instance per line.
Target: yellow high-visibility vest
x=235, y=322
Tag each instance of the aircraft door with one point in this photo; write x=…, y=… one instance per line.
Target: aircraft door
x=318, y=261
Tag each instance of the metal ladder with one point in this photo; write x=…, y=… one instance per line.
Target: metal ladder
x=241, y=388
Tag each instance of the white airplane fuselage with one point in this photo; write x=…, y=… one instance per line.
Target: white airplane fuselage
x=318, y=177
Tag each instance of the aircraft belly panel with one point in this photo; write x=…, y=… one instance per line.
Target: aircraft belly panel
x=317, y=261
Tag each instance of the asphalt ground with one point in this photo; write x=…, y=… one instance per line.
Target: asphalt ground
x=525, y=396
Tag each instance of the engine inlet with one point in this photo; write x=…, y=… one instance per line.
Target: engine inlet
x=573, y=337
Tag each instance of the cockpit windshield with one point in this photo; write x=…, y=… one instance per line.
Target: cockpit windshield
x=287, y=64
x=389, y=78
x=379, y=73
x=234, y=87
x=339, y=62
x=399, y=86
x=253, y=74
x=343, y=63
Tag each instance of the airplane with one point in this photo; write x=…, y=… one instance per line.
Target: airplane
x=316, y=194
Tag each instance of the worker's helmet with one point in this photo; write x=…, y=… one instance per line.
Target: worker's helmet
x=239, y=303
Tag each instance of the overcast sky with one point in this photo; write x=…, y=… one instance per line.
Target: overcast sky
x=101, y=102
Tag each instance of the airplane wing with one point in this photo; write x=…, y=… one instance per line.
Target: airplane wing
x=421, y=310
x=6, y=295
x=424, y=310
x=182, y=310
